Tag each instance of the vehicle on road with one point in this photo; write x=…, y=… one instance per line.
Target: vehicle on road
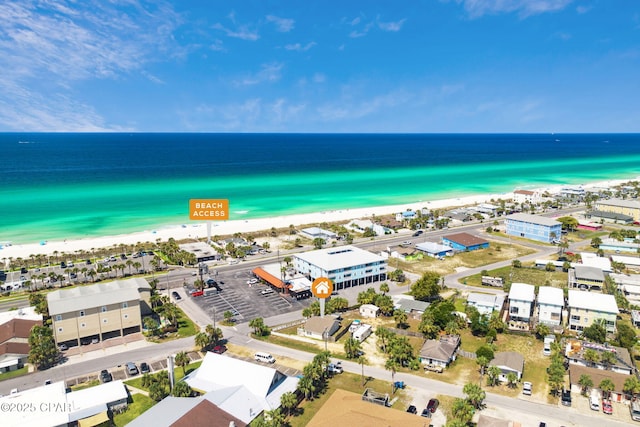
x=176, y=295
x=105, y=376
x=264, y=357
x=433, y=405
x=14, y=391
x=407, y=243
x=144, y=368
x=526, y=388
x=47, y=382
x=417, y=233
x=412, y=409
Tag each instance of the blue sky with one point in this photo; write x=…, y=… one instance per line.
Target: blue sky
x=324, y=66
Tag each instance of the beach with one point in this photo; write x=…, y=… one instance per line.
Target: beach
x=198, y=229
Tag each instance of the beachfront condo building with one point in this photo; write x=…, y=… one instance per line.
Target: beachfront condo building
x=533, y=227
x=620, y=206
x=585, y=308
x=100, y=311
x=346, y=266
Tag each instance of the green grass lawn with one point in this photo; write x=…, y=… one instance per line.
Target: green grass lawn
x=13, y=374
x=349, y=382
x=140, y=404
x=533, y=276
x=177, y=372
x=186, y=328
x=87, y=384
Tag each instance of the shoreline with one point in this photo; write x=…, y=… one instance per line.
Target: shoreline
x=198, y=229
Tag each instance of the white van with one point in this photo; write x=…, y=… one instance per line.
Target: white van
x=264, y=357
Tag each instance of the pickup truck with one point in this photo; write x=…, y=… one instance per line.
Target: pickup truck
x=434, y=368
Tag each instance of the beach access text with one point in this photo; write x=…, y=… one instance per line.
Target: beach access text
x=209, y=209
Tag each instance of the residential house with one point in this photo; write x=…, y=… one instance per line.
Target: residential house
x=462, y=242
x=486, y=304
x=521, y=298
x=403, y=252
x=630, y=262
x=533, y=227
x=346, y=266
x=629, y=285
x=527, y=196
x=435, y=250
x=15, y=328
x=622, y=364
x=487, y=421
x=628, y=207
x=186, y=412
x=613, y=245
x=410, y=305
x=320, y=328
x=590, y=259
x=586, y=308
x=440, y=352
x=550, y=305
x=318, y=233
x=507, y=362
x=635, y=318
x=584, y=224
x=369, y=310
x=102, y=311
x=572, y=193
x=486, y=209
x=240, y=388
x=585, y=278
x=597, y=375
x=406, y=216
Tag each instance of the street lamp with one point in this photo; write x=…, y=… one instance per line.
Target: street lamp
x=325, y=335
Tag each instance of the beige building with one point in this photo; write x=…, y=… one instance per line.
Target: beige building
x=101, y=311
x=630, y=207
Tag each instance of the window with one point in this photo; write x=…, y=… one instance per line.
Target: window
x=513, y=310
x=104, y=308
x=83, y=325
x=575, y=318
x=58, y=317
x=104, y=320
x=59, y=329
x=81, y=313
x=125, y=305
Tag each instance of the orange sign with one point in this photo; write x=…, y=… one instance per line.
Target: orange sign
x=209, y=209
x=322, y=287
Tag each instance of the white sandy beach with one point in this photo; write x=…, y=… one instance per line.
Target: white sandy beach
x=198, y=229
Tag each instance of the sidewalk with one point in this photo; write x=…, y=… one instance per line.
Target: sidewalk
x=100, y=353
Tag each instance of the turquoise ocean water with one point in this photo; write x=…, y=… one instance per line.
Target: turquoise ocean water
x=63, y=186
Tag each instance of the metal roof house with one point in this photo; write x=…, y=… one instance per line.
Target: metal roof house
x=486, y=303
x=533, y=227
x=585, y=278
x=435, y=250
x=586, y=307
x=462, y=242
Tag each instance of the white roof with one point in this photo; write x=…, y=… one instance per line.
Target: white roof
x=592, y=301
x=52, y=394
x=590, y=259
x=339, y=257
x=626, y=260
x=481, y=299
x=317, y=230
x=550, y=296
x=620, y=203
x=25, y=313
x=522, y=292
x=237, y=386
x=93, y=400
x=85, y=297
x=533, y=219
x=432, y=247
x=625, y=279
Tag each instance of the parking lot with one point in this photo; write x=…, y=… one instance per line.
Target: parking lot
x=246, y=301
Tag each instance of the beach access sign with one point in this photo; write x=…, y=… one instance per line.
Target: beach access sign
x=209, y=209
x=322, y=287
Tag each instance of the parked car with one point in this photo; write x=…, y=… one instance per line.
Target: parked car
x=176, y=295
x=417, y=233
x=407, y=243
x=433, y=405
x=62, y=347
x=334, y=368
x=252, y=281
x=144, y=368
x=105, y=376
x=606, y=407
x=566, y=397
x=95, y=340
x=132, y=369
x=219, y=349
x=412, y=409
x=526, y=388
x=47, y=382
x=426, y=413
x=266, y=291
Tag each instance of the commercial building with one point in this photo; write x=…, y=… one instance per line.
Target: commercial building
x=463, y=242
x=346, y=266
x=103, y=310
x=586, y=307
x=629, y=207
x=201, y=251
x=533, y=227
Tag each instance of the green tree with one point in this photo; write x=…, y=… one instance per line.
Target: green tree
x=427, y=287
x=493, y=376
x=384, y=303
x=384, y=288
x=288, y=402
x=352, y=348
x=569, y=223
x=306, y=387
x=462, y=412
x=182, y=359
x=596, y=242
x=608, y=358
x=485, y=351
x=151, y=325
x=319, y=242
x=607, y=386
x=512, y=379
x=556, y=377
x=482, y=362
x=259, y=328
x=202, y=340
x=158, y=391
x=42, y=347
x=591, y=355
x=625, y=336
x=39, y=303
x=182, y=389
x=542, y=331
x=392, y=366
x=631, y=386
x=400, y=317
x=367, y=296
x=474, y=395
x=595, y=332
x=383, y=335
x=585, y=382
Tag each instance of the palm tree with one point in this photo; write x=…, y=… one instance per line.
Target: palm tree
x=585, y=382
x=631, y=385
x=306, y=387
x=352, y=348
x=462, y=411
x=475, y=394
x=362, y=361
x=392, y=365
x=288, y=401
x=202, y=340
x=512, y=378
x=384, y=288
x=182, y=359
x=493, y=375
x=182, y=389
x=607, y=386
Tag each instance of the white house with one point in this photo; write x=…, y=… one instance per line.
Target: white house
x=527, y=196
x=486, y=303
x=521, y=298
x=369, y=310
x=550, y=305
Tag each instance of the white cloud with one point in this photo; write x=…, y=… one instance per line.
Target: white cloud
x=46, y=47
x=268, y=73
x=524, y=8
x=282, y=24
x=217, y=46
x=345, y=109
x=391, y=26
x=299, y=48
x=242, y=32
